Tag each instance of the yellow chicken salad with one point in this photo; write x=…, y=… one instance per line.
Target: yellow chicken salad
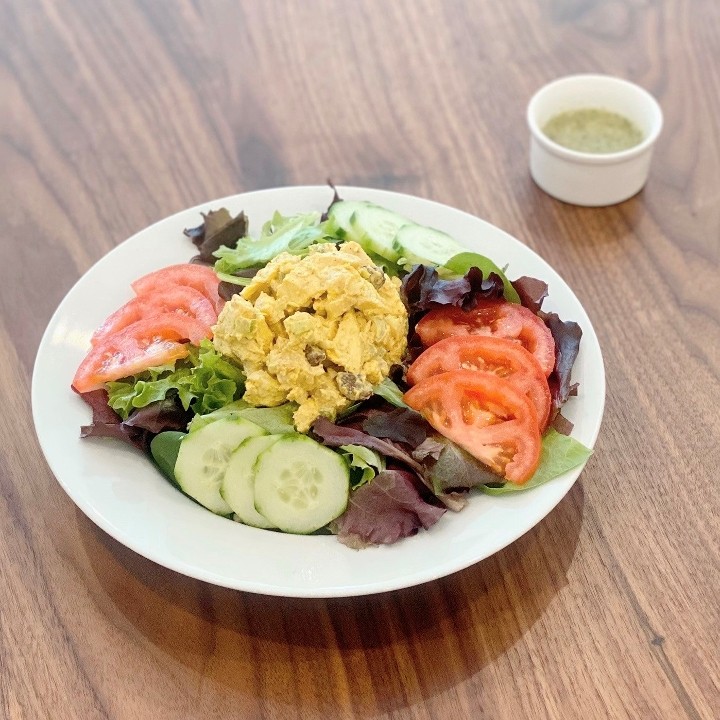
x=319, y=330
x=349, y=372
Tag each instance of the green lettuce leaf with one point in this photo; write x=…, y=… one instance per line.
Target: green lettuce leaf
x=203, y=382
x=231, y=411
x=389, y=391
x=460, y=264
x=275, y=420
x=280, y=234
x=365, y=462
x=559, y=454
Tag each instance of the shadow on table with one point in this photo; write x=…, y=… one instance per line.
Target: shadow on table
x=569, y=227
x=360, y=656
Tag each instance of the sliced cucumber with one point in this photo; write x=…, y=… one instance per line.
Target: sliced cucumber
x=238, y=483
x=341, y=213
x=416, y=244
x=300, y=485
x=373, y=227
x=204, y=456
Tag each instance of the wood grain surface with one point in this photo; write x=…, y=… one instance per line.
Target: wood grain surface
x=117, y=113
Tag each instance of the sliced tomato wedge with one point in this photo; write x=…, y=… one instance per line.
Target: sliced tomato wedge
x=183, y=300
x=199, y=277
x=500, y=356
x=485, y=415
x=147, y=343
x=492, y=317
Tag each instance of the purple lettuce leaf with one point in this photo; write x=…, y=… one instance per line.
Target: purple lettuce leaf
x=561, y=424
x=532, y=292
x=430, y=448
x=335, y=198
x=402, y=425
x=227, y=289
x=157, y=417
x=140, y=427
x=218, y=228
x=333, y=435
x=567, y=335
x=423, y=289
x=107, y=423
x=384, y=511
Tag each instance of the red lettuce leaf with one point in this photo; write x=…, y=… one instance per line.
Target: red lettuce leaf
x=142, y=425
x=107, y=423
x=401, y=425
x=218, y=228
x=423, y=289
x=335, y=435
x=336, y=198
x=157, y=417
x=227, y=289
x=385, y=510
x=532, y=292
x=561, y=424
x=567, y=335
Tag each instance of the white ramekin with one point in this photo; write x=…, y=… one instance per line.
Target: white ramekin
x=592, y=179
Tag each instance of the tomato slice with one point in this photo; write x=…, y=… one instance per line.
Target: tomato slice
x=147, y=343
x=485, y=415
x=492, y=317
x=183, y=300
x=505, y=358
x=199, y=277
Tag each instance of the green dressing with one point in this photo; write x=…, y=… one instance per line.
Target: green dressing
x=593, y=130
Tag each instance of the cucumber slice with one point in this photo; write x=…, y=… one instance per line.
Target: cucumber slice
x=300, y=485
x=371, y=226
x=204, y=456
x=238, y=483
x=425, y=246
x=341, y=213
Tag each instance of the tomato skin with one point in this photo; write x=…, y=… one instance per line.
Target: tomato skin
x=485, y=415
x=174, y=305
x=147, y=343
x=499, y=318
x=484, y=353
x=175, y=298
x=199, y=277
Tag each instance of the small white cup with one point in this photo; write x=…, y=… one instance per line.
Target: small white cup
x=592, y=179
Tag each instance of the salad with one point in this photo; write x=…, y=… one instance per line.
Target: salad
x=350, y=372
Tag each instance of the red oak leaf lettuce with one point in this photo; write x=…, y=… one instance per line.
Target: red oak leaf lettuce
x=140, y=427
x=567, y=335
x=333, y=435
x=384, y=511
x=423, y=289
x=218, y=228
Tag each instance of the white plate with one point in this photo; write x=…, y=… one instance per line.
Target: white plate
x=119, y=489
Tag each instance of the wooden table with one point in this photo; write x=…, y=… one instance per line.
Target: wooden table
x=116, y=114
